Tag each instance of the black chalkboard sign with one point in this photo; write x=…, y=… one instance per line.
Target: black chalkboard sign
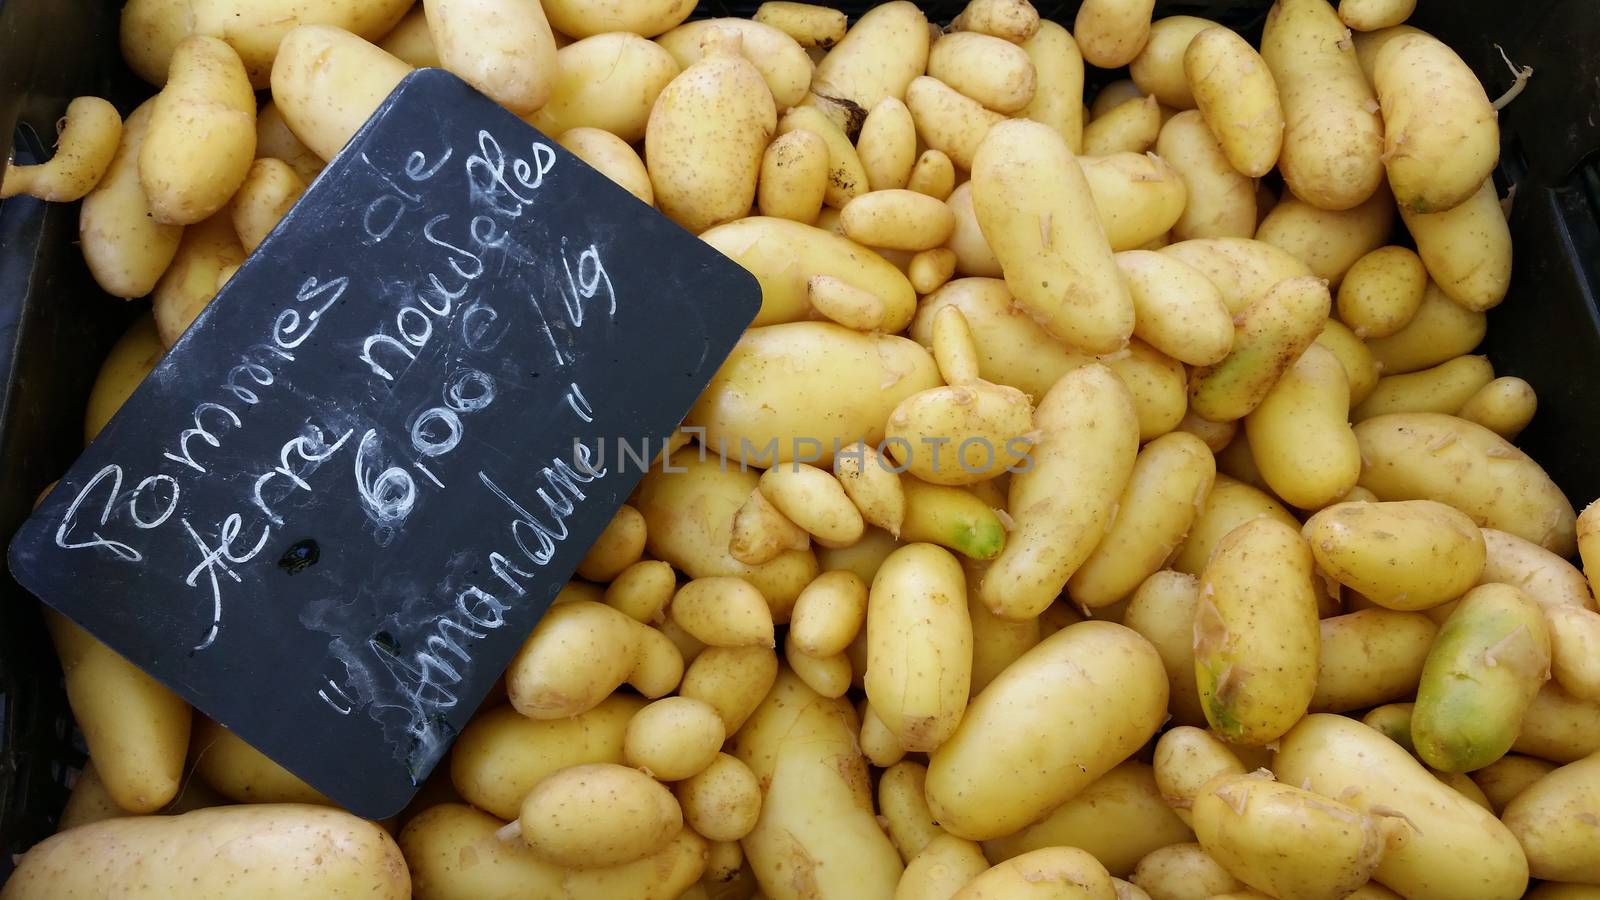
x=335, y=510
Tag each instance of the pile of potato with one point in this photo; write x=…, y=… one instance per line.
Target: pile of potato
x=1165, y=539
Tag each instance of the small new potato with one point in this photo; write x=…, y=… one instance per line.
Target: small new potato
x=1131, y=127
x=813, y=499
x=131, y=358
x=812, y=26
x=1381, y=291
x=1440, y=330
x=1222, y=201
x=941, y=869
x=794, y=178
x=990, y=70
x=1575, y=650
x=722, y=611
x=732, y=679
x=1112, y=32
x=1058, y=68
x=783, y=64
x=1467, y=248
x=887, y=146
x=126, y=249
x=948, y=120
x=1013, y=20
x=1236, y=95
x=919, y=645
x=1329, y=241
x=598, y=815
x=847, y=177
x=879, y=57
x=268, y=191
x=1242, y=269
x=242, y=773
x=1299, y=435
x=1505, y=406
x=1162, y=612
x=1557, y=821
x=1402, y=555
x=619, y=546
x=647, y=18
x=327, y=82
x=1186, y=759
x=576, y=656
x=1184, y=872
x=504, y=49
x=610, y=82
x=1370, y=657
x=1158, y=70
x=1269, y=336
x=84, y=150
x=897, y=219
x=1441, y=135
x=1445, y=388
x=934, y=176
x=1051, y=872
x=1139, y=197
x=1371, y=15
x=673, y=738
x=643, y=590
x=210, y=250
x=1559, y=727
x=722, y=801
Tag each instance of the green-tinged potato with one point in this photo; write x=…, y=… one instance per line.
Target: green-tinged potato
x=613, y=157
x=902, y=799
x=1557, y=821
x=879, y=56
x=1063, y=504
x=1299, y=435
x=583, y=18
x=251, y=851
x=1502, y=780
x=208, y=249
x=1333, y=141
x=1058, y=100
x=1440, y=330
x=89, y=135
x=1444, y=388
x=1441, y=136
x=1402, y=555
x=1559, y=727
x=327, y=82
x=1186, y=759
x=785, y=255
x=1255, y=633
x=274, y=140
x=1183, y=872
x=1575, y=650
x=1230, y=504
x=1058, y=873
x=950, y=121
x=1118, y=819
x=1236, y=95
x=411, y=41
x=1269, y=336
x=887, y=147
x=1171, y=478
x=1177, y=309
x=781, y=62
x=919, y=646
x=597, y=815
x=1393, y=721
x=242, y=773
x=505, y=50
x=706, y=134
x=1490, y=658
x=1139, y=196
x=1437, y=828
x=990, y=70
x=1129, y=128
x=951, y=517
x=1381, y=291
x=1330, y=242
x=785, y=383
x=136, y=729
x=1432, y=456
x=1505, y=406
x=1158, y=70
x=732, y=680
x=818, y=801
x=941, y=869
x=1467, y=248
x=1112, y=32
x=126, y=249
x=610, y=82
x=268, y=191
x=132, y=357
x=1221, y=201
x=1022, y=750
x=1243, y=270
x=455, y=854
x=1285, y=840
x=722, y=801
x=1162, y=611
x=1370, y=657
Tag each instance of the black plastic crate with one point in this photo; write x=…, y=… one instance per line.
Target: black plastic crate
x=56, y=326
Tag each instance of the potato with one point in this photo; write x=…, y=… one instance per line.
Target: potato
x=1333, y=147
x=1139, y=197
x=1222, y=202
x=504, y=49
x=1371, y=15
x=1431, y=456
x=1131, y=127
x=1338, y=757
x=847, y=177
x=1403, y=555
x=1112, y=32
x=1186, y=758
x=1229, y=504
x=990, y=70
x=706, y=134
x=781, y=62
x=260, y=850
x=619, y=546
x=888, y=145
x=784, y=256
x=814, y=500
x=722, y=801
x=930, y=269
x=132, y=357
x=577, y=655
x=1559, y=727
x=1502, y=780
x=1505, y=406
x=608, y=81
x=90, y=802
x=411, y=41
x=268, y=191
x=598, y=815
x=126, y=249
x=1049, y=252
x=1575, y=650
x=1183, y=872
x=1299, y=435
x=829, y=613
x=673, y=738
x=242, y=773
x=1118, y=819
x=878, y=57
x=1441, y=137
x=919, y=639
x=643, y=590
x=897, y=219
x=584, y=18
x=1171, y=478
x=974, y=256
x=208, y=249
x=1467, y=248
x=1444, y=388
x=949, y=121
x=1162, y=612
x=941, y=869
x=1381, y=291
x=1107, y=697
x=732, y=679
x=455, y=854
x=1588, y=540
x=1237, y=97
x=1177, y=309
x=1243, y=270
x=1329, y=242
x=502, y=754
x=1269, y=335
x=327, y=82
x=811, y=26
x=1216, y=435
x=1051, y=872
x=1058, y=68
x=723, y=611
x=274, y=140
x=1370, y=657
x=962, y=434
x=1555, y=821
x=1158, y=70
x=906, y=818
x=1440, y=330
x=829, y=676
x=818, y=802
x=1014, y=20
x=934, y=176
x=951, y=517
x=88, y=142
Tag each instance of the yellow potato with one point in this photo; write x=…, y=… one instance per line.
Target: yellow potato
x=608, y=81
x=1588, y=539
x=813, y=499
x=1170, y=481
x=722, y=611
x=326, y=82
x=879, y=56
x=1370, y=657
x=811, y=26
x=242, y=773
x=274, y=140
x=1118, y=819
x=996, y=642
x=1237, y=97
x=673, y=738
x=887, y=146
x=1381, y=291
x=1216, y=435
x=1430, y=456
x=1467, y=248
x=829, y=613
x=1054, y=872
x=1014, y=20
x=1112, y=32
x=706, y=134
x=1058, y=67
x=1441, y=137
x=88, y=142
x=781, y=62
x=897, y=219
x=829, y=676
x=1333, y=143
x=411, y=41
x=961, y=434
x=502, y=754
x=209, y=250
x=1409, y=555
x=266, y=195
x=1445, y=388
x=951, y=517
x=1329, y=242
x=132, y=357
x=1131, y=127
x=934, y=176
x=1269, y=335
x=1505, y=406
x=619, y=546
x=598, y=815
x=1057, y=261
x=785, y=255
x=847, y=177
x=90, y=802
x=902, y=800
x=504, y=49
x=1371, y=15
x=1139, y=196
x=930, y=269
x=1299, y=435
x=873, y=486
x=126, y=249
x=1559, y=727
x=583, y=18
x=1162, y=611
x=1183, y=872
x=1440, y=330
x=948, y=120
x=642, y=590
x=1158, y=70
x=1575, y=650
x=723, y=801
x=974, y=256
x=941, y=869
x=1502, y=780
x=1242, y=269
x=877, y=742
x=732, y=679
x=578, y=654
x=1186, y=758
x=919, y=640
x=1222, y=202
x=1553, y=890
x=1230, y=504
x=1557, y=821
x=258, y=850
x=993, y=71
x=1021, y=751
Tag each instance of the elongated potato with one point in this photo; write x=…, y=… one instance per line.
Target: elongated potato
x=872, y=486
x=1186, y=760
x=598, y=815
x=1445, y=388
x=1058, y=67
x=1241, y=268
x=126, y=249
x=613, y=157
x=1575, y=650
x=268, y=191
x=1402, y=555
x=242, y=773
x=948, y=120
x=1131, y=127
x=829, y=613
x=1021, y=751
x=1339, y=757
x=1441, y=137
x=578, y=654
x=1050, y=242
x=722, y=611
x=1440, y=330
x=1467, y=248
x=1112, y=32
x=919, y=646
x=1177, y=309
x=897, y=219
x=782, y=62
x=1269, y=336
x=505, y=50
x=951, y=517
x=1139, y=197
x=1381, y=291
x=990, y=70
x=1238, y=98
x=608, y=81
x=257, y=850
x=207, y=250
x=811, y=26
x=1371, y=15
x=582, y=18
x=1370, y=657
x=813, y=499
x=887, y=146
x=84, y=150
x=1329, y=241
x=1555, y=821
x=1162, y=612
x=1299, y=435
x=318, y=62
x=903, y=802
x=1333, y=141
x=1014, y=20
x=1222, y=202
x=1158, y=70
x=929, y=270
x=879, y=56
x=1430, y=456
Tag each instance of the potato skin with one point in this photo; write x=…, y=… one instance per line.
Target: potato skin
x=609, y=81
x=1235, y=93
x=1066, y=872
x=1300, y=434
x=326, y=82
x=1405, y=555
x=1467, y=248
x=1370, y=657
x=126, y=249
x=1441, y=136
x=506, y=50
x=598, y=815
x=919, y=645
